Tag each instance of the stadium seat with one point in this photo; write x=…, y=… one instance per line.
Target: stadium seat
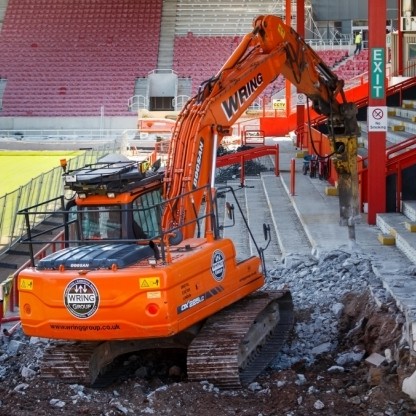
x=96, y=55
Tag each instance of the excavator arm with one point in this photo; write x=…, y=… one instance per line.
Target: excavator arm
x=271, y=49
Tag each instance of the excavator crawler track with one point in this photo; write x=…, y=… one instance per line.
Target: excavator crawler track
x=238, y=343
x=91, y=363
x=68, y=361
x=232, y=348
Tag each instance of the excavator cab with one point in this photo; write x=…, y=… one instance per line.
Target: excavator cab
x=138, y=219
x=113, y=200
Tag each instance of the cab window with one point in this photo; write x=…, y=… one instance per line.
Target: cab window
x=102, y=222
x=147, y=213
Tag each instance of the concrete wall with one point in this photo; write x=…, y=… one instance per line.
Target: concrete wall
x=348, y=10
x=68, y=123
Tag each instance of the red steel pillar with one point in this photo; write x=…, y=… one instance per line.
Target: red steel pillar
x=300, y=108
x=377, y=110
x=399, y=39
x=288, y=18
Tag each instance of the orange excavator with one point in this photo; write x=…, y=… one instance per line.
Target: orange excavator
x=143, y=263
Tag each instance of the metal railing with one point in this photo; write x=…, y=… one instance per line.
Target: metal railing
x=398, y=158
x=44, y=187
x=77, y=135
x=137, y=102
x=179, y=102
x=250, y=154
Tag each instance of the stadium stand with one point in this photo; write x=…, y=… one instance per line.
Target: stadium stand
x=86, y=58
x=354, y=66
x=216, y=50
x=221, y=18
x=212, y=52
x=76, y=58
x=333, y=57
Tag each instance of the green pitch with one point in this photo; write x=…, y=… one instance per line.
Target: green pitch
x=18, y=167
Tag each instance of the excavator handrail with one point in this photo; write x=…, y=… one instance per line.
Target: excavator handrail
x=34, y=235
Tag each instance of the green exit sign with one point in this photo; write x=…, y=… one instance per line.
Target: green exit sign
x=378, y=72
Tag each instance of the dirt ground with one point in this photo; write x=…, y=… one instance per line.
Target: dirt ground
x=159, y=386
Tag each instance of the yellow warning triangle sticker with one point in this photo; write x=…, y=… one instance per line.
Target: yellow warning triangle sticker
x=152, y=282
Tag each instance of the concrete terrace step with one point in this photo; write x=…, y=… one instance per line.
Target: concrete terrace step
x=259, y=213
x=256, y=209
x=401, y=124
x=404, y=116
x=289, y=230
x=264, y=199
x=395, y=224
x=409, y=210
x=407, y=103
x=238, y=233
x=392, y=136
x=403, y=120
x=406, y=111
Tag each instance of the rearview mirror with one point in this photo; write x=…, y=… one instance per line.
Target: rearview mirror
x=266, y=231
x=230, y=210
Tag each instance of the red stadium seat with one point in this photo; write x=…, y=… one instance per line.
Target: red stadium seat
x=95, y=50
